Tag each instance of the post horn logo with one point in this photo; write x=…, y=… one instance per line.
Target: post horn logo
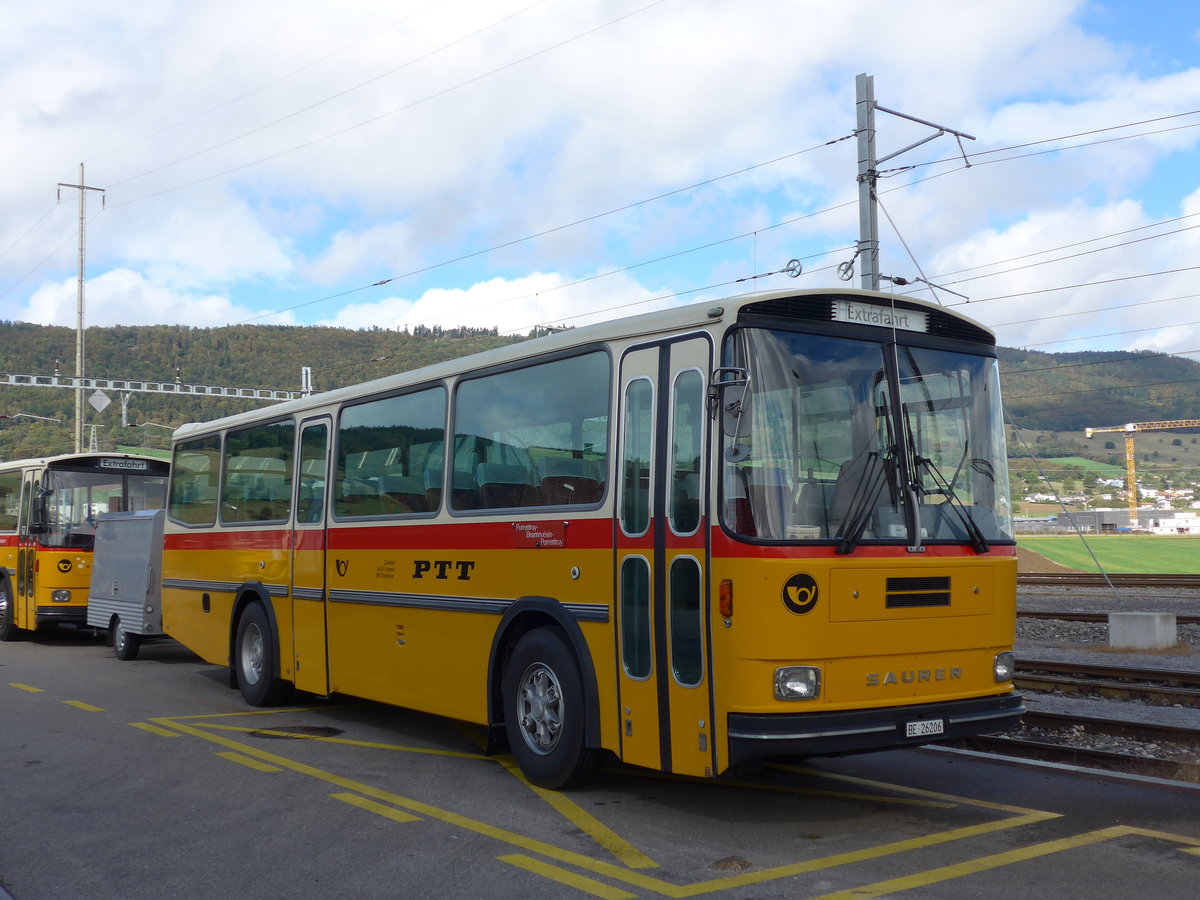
x=64, y=565
x=800, y=593
x=342, y=566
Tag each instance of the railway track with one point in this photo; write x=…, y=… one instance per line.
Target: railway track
x=1093, y=579
x=1095, y=618
x=1115, y=743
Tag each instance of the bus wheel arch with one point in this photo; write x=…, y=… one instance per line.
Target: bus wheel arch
x=543, y=690
x=254, y=650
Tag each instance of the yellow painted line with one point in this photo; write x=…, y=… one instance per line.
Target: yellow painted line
x=390, y=812
x=372, y=745
x=86, y=707
x=708, y=783
x=624, y=851
x=609, y=870
x=25, y=687
x=904, y=789
x=987, y=863
x=154, y=729
x=579, y=882
x=250, y=762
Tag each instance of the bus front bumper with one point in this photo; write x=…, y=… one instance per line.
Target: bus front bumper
x=62, y=615
x=755, y=736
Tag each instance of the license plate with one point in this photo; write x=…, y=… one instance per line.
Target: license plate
x=924, y=728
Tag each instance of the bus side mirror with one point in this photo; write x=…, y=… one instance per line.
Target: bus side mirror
x=729, y=394
x=40, y=521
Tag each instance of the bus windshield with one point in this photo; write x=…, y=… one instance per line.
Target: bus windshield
x=74, y=499
x=823, y=452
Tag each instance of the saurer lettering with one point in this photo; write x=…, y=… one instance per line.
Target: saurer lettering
x=876, y=679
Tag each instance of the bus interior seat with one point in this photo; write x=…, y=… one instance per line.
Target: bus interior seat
x=406, y=491
x=567, y=480
x=502, y=485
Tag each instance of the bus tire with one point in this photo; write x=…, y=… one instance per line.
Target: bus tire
x=254, y=660
x=125, y=643
x=8, y=614
x=544, y=712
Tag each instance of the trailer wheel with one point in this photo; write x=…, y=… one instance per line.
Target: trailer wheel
x=544, y=712
x=254, y=659
x=125, y=642
x=8, y=614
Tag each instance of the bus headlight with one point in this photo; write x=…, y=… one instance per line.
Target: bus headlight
x=1005, y=666
x=60, y=597
x=797, y=683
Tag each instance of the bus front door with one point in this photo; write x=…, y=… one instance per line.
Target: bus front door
x=662, y=559
x=309, y=596
x=26, y=598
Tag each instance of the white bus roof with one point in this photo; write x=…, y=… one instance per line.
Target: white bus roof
x=676, y=319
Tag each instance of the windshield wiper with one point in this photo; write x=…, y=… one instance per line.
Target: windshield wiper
x=866, y=495
x=974, y=532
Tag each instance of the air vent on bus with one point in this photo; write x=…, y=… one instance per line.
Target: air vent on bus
x=910, y=593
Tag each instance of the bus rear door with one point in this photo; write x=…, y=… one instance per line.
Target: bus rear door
x=662, y=559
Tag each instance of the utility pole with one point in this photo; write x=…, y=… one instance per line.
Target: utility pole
x=868, y=172
x=82, y=188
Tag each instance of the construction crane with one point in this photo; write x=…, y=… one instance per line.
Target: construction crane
x=1130, y=429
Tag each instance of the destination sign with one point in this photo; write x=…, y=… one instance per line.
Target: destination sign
x=133, y=465
x=857, y=313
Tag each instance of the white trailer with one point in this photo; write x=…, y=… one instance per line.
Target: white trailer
x=126, y=588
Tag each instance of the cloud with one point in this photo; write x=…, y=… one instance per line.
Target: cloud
x=124, y=297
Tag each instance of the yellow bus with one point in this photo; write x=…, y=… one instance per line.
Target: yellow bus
x=48, y=510
x=771, y=525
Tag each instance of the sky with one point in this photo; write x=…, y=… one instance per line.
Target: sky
x=514, y=163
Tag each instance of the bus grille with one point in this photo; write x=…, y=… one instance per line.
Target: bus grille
x=910, y=593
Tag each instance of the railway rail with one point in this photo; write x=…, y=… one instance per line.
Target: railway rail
x=1095, y=618
x=1095, y=579
x=1130, y=745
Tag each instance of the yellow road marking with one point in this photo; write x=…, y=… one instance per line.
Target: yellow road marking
x=904, y=789
x=86, y=707
x=390, y=812
x=250, y=762
x=588, y=885
x=399, y=805
x=154, y=729
x=598, y=867
x=995, y=861
x=585, y=821
x=25, y=687
x=337, y=740
x=706, y=783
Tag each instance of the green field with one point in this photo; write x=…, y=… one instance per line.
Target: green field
x=1140, y=553
x=1089, y=465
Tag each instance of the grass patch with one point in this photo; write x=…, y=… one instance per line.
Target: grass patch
x=1124, y=553
x=1088, y=465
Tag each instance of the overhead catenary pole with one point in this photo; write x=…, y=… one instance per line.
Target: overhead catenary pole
x=82, y=188
x=868, y=214
x=868, y=172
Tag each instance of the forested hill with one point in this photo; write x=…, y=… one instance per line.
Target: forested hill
x=254, y=356
x=1074, y=391
x=1051, y=392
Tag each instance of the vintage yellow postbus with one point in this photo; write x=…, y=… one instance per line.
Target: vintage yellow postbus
x=48, y=511
x=771, y=525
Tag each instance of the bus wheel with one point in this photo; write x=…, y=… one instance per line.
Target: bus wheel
x=125, y=643
x=255, y=660
x=544, y=712
x=8, y=615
